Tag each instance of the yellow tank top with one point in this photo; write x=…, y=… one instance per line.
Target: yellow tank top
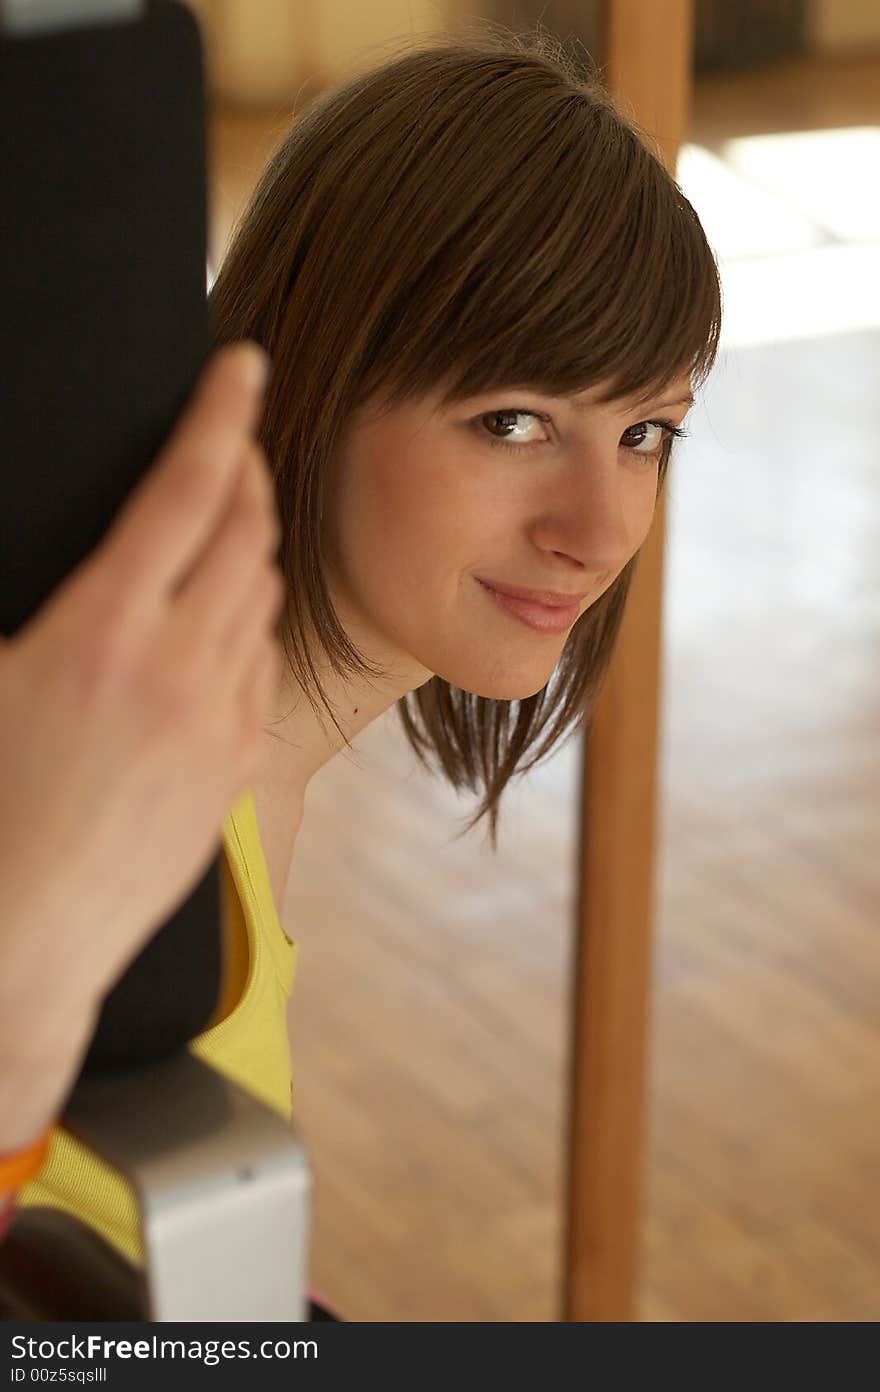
x=247, y=1041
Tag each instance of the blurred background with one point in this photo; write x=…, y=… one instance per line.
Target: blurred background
x=430, y=1021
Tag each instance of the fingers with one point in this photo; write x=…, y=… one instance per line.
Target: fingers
x=225, y=615
x=254, y=617
x=171, y=515
x=246, y=538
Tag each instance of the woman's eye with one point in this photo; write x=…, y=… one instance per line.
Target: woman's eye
x=519, y=428
x=649, y=437
x=514, y=428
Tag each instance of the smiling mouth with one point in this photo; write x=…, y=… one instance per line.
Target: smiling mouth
x=550, y=599
x=543, y=618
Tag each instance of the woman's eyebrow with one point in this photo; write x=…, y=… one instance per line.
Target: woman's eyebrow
x=663, y=406
x=682, y=401
x=572, y=401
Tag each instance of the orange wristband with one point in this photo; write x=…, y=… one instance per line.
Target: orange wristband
x=17, y=1169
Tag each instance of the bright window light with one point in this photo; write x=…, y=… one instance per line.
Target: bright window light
x=831, y=177
x=795, y=223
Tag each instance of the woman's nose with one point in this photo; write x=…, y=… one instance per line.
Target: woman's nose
x=593, y=520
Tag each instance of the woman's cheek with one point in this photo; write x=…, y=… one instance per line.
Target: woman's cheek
x=643, y=506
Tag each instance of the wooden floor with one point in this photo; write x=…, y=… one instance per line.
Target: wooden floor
x=430, y=1017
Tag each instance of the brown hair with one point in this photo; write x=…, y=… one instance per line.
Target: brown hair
x=474, y=212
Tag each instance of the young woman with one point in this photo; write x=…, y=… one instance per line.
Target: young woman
x=487, y=305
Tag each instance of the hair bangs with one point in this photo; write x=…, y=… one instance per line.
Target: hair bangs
x=534, y=283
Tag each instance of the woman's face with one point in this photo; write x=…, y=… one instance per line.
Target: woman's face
x=512, y=487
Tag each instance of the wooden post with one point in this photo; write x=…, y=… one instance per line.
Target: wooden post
x=646, y=56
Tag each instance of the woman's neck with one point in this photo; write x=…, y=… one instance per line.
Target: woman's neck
x=297, y=744
x=279, y=816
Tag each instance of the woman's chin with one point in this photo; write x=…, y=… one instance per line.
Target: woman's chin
x=507, y=677
x=507, y=688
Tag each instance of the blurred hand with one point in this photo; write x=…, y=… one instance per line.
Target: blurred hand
x=131, y=712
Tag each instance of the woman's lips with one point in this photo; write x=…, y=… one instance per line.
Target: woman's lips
x=541, y=617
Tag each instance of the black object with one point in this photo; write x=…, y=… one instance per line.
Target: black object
x=54, y=1267
x=104, y=330
x=319, y=1312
